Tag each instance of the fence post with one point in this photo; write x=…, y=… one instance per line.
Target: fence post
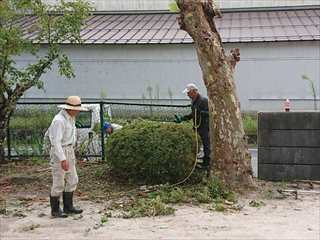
x=102, y=130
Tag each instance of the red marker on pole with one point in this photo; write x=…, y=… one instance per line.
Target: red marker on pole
x=286, y=105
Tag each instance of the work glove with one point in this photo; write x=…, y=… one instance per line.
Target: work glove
x=177, y=118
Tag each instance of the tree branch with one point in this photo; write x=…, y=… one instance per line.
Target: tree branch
x=234, y=57
x=3, y=66
x=212, y=11
x=3, y=84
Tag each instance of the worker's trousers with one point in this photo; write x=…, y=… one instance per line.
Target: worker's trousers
x=63, y=181
x=204, y=134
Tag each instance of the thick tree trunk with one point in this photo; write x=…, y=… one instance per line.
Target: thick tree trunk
x=231, y=158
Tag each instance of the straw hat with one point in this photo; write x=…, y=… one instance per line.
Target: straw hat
x=73, y=103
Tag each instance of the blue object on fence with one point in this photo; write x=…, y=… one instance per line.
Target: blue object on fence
x=106, y=125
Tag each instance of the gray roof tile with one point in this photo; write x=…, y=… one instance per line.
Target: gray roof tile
x=163, y=28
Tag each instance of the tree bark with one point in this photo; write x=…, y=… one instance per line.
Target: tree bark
x=7, y=107
x=2, y=144
x=4, y=120
x=229, y=150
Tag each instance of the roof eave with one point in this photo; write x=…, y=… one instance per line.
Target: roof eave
x=223, y=10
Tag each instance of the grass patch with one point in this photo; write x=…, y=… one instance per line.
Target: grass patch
x=218, y=191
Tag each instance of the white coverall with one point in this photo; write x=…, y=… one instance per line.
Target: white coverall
x=62, y=135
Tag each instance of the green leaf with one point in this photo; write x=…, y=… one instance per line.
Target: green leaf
x=305, y=77
x=173, y=7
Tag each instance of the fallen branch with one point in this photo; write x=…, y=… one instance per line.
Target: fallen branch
x=43, y=170
x=299, y=191
x=296, y=192
x=308, y=181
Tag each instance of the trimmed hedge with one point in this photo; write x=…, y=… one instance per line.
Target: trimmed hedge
x=152, y=152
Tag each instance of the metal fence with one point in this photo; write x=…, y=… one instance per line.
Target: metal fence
x=32, y=118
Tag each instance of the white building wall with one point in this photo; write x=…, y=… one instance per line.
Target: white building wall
x=125, y=5
x=267, y=73
x=264, y=3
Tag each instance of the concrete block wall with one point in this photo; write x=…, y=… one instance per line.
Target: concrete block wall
x=289, y=146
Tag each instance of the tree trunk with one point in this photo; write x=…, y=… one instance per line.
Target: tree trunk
x=231, y=158
x=6, y=109
x=3, y=137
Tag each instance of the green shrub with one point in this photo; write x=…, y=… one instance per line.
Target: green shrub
x=152, y=152
x=250, y=124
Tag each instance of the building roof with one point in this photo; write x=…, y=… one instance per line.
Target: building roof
x=234, y=27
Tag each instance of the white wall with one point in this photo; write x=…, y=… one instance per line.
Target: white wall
x=267, y=73
x=271, y=72
x=264, y=3
x=122, y=5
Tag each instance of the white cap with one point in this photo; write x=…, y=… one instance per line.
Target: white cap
x=190, y=86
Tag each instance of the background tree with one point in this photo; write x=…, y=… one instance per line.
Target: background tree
x=228, y=142
x=313, y=90
x=51, y=26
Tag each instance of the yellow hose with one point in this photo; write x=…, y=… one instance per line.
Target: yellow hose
x=195, y=161
x=197, y=148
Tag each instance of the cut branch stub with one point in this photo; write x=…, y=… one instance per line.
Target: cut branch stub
x=234, y=57
x=211, y=9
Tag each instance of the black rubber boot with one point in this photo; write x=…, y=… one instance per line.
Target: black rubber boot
x=206, y=161
x=201, y=166
x=68, y=204
x=55, y=208
x=204, y=164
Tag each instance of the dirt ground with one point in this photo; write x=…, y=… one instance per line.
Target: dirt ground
x=28, y=217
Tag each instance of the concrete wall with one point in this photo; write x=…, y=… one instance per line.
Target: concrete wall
x=267, y=73
x=123, y=5
x=289, y=146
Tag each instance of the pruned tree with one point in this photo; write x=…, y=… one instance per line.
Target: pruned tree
x=231, y=158
x=48, y=25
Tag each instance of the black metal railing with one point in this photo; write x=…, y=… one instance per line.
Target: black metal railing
x=32, y=118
